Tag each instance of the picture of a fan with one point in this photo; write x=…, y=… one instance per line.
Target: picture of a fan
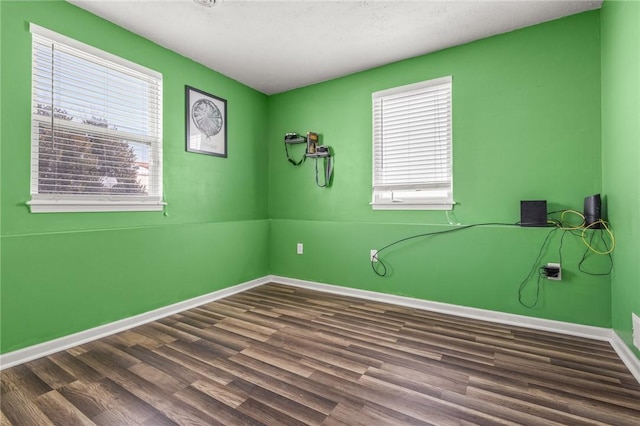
x=207, y=117
x=206, y=123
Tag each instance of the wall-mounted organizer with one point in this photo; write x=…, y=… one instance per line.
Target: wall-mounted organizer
x=320, y=153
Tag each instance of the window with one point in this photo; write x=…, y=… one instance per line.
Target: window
x=96, y=135
x=412, y=147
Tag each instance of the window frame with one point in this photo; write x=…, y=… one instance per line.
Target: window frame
x=412, y=195
x=67, y=202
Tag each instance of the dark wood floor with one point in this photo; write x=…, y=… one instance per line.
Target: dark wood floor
x=277, y=355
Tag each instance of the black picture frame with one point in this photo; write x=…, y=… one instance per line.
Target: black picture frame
x=205, y=122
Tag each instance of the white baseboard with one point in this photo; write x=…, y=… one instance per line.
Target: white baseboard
x=626, y=355
x=20, y=356
x=590, y=332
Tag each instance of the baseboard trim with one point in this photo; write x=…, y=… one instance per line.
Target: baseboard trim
x=30, y=353
x=591, y=332
x=626, y=355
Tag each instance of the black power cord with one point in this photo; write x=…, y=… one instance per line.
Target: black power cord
x=380, y=268
x=383, y=272
x=587, y=252
x=575, y=231
x=535, y=264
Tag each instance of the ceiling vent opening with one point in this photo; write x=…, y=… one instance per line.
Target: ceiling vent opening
x=205, y=3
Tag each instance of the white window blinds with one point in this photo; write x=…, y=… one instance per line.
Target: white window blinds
x=412, y=146
x=96, y=129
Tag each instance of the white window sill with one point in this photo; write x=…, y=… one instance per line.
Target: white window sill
x=85, y=206
x=402, y=206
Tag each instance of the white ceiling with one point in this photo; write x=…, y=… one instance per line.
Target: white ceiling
x=274, y=46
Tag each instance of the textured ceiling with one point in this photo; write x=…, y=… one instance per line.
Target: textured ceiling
x=274, y=46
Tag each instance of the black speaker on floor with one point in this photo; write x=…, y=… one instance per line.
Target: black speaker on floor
x=533, y=213
x=592, y=211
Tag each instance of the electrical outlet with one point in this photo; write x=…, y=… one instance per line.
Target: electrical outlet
x=553, y=271
x=300, y=248
x=636, y=329
x=373, y=257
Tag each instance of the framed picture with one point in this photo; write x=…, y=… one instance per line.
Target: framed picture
x=206, y=123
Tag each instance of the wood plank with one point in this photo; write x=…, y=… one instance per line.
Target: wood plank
x=266, y=415
x=4, y=421
x=92, y=399
x=157, y=377
x=291, y=386
x=21, y=379
x=50, y=373
x=220, y=392
x=219, y=413
x=199, y=366
x=19, y=408
x=75, y=367
x=60, y=411
x=280, y=403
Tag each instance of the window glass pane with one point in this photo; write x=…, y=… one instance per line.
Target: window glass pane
x=96, y=124
x=74, y=162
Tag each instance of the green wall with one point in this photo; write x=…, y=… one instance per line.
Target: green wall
x=526, y=126
x=63, y=273
x=621, y=153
